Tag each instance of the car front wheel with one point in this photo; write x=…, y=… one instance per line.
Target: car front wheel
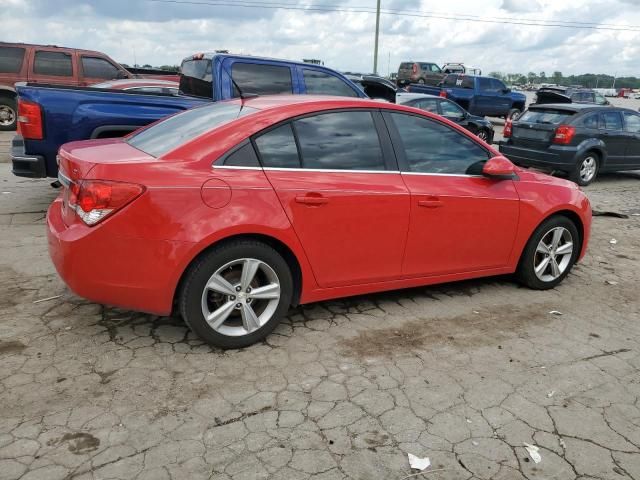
x=483, y=135
x=236, y=294
x=550, y=253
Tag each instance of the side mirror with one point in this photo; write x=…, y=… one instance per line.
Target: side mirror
x=506, y=90
x=500, y=168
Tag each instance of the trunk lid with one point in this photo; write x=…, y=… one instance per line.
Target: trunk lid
x=406, y=70
x=537, y=127
x=551, y=96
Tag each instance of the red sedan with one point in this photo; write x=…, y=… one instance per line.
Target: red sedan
x=232, y=212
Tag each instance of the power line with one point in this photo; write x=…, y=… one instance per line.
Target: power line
x=404, y=13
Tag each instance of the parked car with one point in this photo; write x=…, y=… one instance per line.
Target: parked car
x=50, y=115
x=569, y=95
x=579, y=139
x=375, y=86
x=426, y=73
x=461, y=68
x=477, y=95
x=21, y=62
x=141, y=85
x=235, y=199
x=479, y=126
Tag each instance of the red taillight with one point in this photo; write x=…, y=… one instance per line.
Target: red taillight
x=29, y=120
x=94, y=200
x=564, y=135
x=443, y=93
x=508, y=127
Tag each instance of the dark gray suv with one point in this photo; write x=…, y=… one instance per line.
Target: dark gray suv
x=579, y=139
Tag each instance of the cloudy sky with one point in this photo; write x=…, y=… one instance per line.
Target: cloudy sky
x=165, y=31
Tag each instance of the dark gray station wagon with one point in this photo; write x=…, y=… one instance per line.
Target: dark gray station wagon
x=581, y=140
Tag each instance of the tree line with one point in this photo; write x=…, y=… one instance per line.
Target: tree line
x=588, y=80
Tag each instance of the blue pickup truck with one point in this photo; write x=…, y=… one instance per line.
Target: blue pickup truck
x=51, y=115
x=477, y=95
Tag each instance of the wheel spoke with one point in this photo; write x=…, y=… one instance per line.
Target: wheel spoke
x=250, y=321
x=565, y=249
x=220, y=285
x=543, y=248
x=218, y=317
x=267, y=292
x=557, y=236
x=555, y=269
x=249, y=269
x=542, y=266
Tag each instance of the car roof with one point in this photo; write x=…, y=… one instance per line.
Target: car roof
x=267, y=102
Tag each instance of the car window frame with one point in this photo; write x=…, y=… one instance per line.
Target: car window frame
x=397, y=142
x=69, y=55
x=602, y=124
x=624, y=121
x=243, y=63
x=388, y=155
x=103, y=59
x=442, y=101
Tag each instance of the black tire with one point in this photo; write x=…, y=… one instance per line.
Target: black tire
x=514, y=114
x=8, y=113
x=199, y=273
x=484, y=134
x=586, y=169
x=421, y=81
x=526, y=268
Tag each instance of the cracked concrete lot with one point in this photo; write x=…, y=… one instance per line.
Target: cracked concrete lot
x=464, y=374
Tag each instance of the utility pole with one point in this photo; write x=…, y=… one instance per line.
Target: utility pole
x=375, y=50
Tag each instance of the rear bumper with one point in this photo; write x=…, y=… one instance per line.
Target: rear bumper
x=555, y=157
x=23, y=165
x=95, y=264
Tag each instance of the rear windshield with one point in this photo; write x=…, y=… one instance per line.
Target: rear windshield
x=11, y=59
x=196, y=78
x=179, y=129
x=459, y=81
x=545, y=116
x=406, y=65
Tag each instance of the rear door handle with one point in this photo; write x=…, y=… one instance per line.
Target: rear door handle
x=431, y=203
x=311, y=200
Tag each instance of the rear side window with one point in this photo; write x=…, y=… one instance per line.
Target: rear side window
x=406, y=65
x=459, y=81
x=591, y=121
x=11, y=59
x=485, y=84
x=261, y=79
x=431, y=147
x=57, y=64
x=94, y=67
x=183, y=127
x=427, y=104
x=196, y=78
x=340, y=141
x=320, y=83
x=610, y=121
x=545, y=116
x=632, y=122
x=245, y=156
x=278, y=148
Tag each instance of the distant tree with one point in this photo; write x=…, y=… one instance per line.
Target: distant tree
x=557, y=78
x=170, y=68
x=497, y=75
x=543, y=76
x=146, y=65
x=531, y=77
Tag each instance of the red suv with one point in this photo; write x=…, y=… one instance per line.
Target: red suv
x=233, y=211
x=20, y=62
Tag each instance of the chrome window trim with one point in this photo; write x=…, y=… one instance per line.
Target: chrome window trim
x=327, y=170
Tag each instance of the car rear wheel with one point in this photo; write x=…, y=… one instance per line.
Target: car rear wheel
x=514, y=114
x=550, y=253
x=236, y=294
x=483, y=134
x=586, y=169
x=8, y=113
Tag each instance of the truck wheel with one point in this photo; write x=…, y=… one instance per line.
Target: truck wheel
x=586, y=169
x=514, y=114
x=8, y=113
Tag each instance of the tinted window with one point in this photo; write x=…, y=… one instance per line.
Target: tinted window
x=591, y=121
x=147, y=89
x=342, y=140
x=497, y=85
x=427, y=104
x=94, y=67
x=320, y=83
x=460, y=81
x=631, y=122
x=450, y=109
x=544, y=115
x=431, y=147
x=484, y=84
x=610, y=121
x=179, y=129
x=600, y=100
x=261, y=79
x=196, y=78
x=278, y=149
x=53, y=63
x=245, y=156
x=435, y=68
x=11, y=59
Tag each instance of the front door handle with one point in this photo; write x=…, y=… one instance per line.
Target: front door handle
x=311, y=200
x=431, y=203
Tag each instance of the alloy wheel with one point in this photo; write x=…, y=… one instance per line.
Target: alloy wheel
x=588, y=169
x=7, y=115
x=240, y=297
x=553, y=254
x=483, y=135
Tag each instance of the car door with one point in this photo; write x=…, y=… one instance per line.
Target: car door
x=53, y=66
x=460, y=221
x=613, y=135
x=338, y=183
x=433, y=73
x=483, y=101
x=632, y=129
x=502, y=97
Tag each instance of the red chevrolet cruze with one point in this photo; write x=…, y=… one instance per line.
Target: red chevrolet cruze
x=234, y=211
